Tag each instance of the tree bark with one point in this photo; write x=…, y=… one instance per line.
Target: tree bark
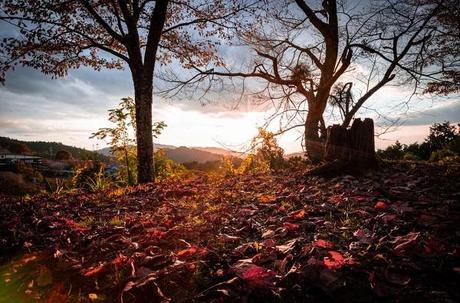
x=353, y=148
x=362, y=144
x=143, y=97
x=313, y=144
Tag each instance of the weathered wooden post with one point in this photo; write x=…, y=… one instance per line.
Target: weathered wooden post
x=353, y=148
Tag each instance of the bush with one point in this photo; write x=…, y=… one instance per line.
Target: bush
x=166, y=168
x=90, y=176
x=411, y=157
x=441, y=154
x=297, y=162
x=14, y=184
x=392, y=152
x=265, y=154
x=443, y=141
x=28, y=172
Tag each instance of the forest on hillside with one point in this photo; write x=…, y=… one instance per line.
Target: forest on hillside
x=44, y=149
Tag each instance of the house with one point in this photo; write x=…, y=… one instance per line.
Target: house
x=7, y=160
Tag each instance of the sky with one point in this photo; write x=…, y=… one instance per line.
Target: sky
x=35, y=107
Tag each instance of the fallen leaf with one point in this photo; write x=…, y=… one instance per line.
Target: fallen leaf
x=291, y=226
x=298, y=214
x=380, y=205
x=224, y=238
x=44, y=276
x=258, y=277
x=402, y=243
x=57, y=294
x=336, y=260
x=93, y=296
x=187, y=252
x=94, y=271
x=320, y=243
x=267, y=198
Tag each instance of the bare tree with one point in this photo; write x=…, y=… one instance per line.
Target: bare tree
x=57, y=35
x=302, y=52
x=446, y=46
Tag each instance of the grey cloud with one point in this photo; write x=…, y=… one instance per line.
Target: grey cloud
x=449, y=112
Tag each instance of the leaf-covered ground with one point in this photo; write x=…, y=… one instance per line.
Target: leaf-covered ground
x=390, y=236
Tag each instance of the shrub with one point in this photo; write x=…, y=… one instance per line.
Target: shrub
x=443, y=141
x=167, y=168
x=297, y=162
x=441, y=155
x=411, y=157
x=28, y=172
x=265, y=154
x=90, y=176
x=99, y=182
x=392, y=152
x=14, y=184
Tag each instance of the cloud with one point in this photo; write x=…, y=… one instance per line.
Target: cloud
x=446, y=112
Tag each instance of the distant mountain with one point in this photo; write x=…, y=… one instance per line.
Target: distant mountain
x=107, y=151
x=184, y=154
x=220, y=151
x=44, y=149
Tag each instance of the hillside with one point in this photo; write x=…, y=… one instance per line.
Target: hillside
x=44, y=149
x=388, y=237
x=185, y=154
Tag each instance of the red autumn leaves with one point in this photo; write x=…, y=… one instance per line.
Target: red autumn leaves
x=334, y=260
x=257, y=276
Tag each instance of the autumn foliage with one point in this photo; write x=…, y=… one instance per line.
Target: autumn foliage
x=256, y=237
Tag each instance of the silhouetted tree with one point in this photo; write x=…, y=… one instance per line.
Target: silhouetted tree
x=441, y=134
x=447, y=48
x=303, y=52
x=55, y=36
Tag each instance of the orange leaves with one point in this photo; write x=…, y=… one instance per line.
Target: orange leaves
x=267, y=198
x=336, y=260
x=57, y=294
x=298, y=214
x=74, y=225
x=119, y=260
x=380, y=205
x=323, y=244
x=156, y=233
x=92, y=271
x=184, y=253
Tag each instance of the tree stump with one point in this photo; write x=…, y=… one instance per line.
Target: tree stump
x=351, y=150
x=362, y=144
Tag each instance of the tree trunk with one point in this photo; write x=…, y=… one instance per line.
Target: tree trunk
x=354, y=148
x=337, y=144
x=143, y=99
x=313, y=144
